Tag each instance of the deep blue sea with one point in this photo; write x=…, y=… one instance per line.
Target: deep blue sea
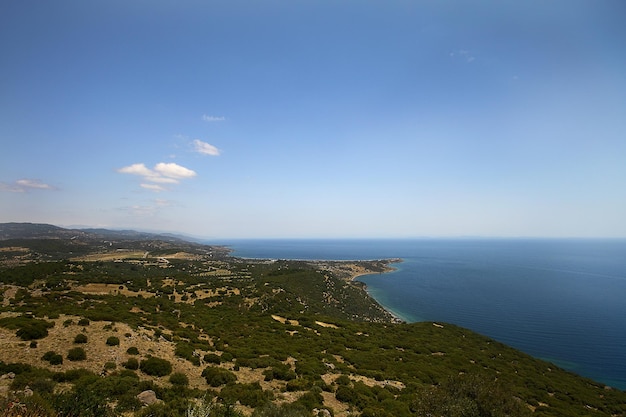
x=562, y=300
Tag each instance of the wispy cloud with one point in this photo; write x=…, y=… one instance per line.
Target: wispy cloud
x=464, y=55
x=162, y=203
x=153, y=187
x=162, y=173
x=211, y=119
x=25, y=185
x=205, y=148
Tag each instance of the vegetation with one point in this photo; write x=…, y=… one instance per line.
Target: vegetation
x=28, y=328
x=155, y=366
x=77, y=354
x=80, y=338
x=217, y=336
x=113, y=341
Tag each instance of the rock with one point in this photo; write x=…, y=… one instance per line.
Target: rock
x=147, y=397
x=9, y=375
x=321, y=413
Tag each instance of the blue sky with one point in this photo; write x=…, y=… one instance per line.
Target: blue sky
x=227, y=119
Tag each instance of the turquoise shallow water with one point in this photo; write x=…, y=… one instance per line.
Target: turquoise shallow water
x=559, y=300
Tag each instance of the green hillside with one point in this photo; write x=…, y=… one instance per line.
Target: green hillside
x=84, y=332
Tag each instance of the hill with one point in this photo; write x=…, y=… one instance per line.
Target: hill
x=89, y=320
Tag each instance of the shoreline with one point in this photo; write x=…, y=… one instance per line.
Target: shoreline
x=350, y=271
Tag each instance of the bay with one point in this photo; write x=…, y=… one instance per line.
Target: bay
x=561, y=300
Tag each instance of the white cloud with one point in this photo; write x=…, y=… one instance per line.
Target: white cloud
x=162, y=173
x=25, y=185
x=205, y=148
x=162, y=180
x=136, y=169
x=172, y=170
x=153, y=187
x=208, y=118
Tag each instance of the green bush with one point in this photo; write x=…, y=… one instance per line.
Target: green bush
x=53, y=358
x=132, y=350
x=113, y=341
x=186, y=351
x=212, y=358
x=343, y=380
x=28, y=328
x=300, y=384
x=80, y=338
x=285, y=410
x=131, y=363
x=82, y=403
x=77, y=354
x=155, y=366
x=250, y=395
x=281, y=371
x=83, y=322
x=218, y=376
x=469, y=395
x=180, y=379
x=207, y=408
x=311, y=399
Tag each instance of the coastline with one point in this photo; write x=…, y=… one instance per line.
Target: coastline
x=350, y=271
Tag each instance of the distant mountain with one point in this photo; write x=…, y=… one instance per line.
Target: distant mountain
x=57, y=242
x=48, y=231
x=34, y=231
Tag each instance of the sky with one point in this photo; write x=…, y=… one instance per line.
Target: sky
x=316, y=118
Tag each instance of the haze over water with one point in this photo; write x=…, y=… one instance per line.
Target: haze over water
x=556, y=299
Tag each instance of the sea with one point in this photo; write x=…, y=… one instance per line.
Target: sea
x=561, y=300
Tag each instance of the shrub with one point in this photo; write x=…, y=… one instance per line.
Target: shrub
x=131, y=363
x=300, y=384
x=83, y=403
x=186, y=351
x=155, y=366
x=77, y=354
x=212, y=358
x=312, y=399
x=281, y=371
x=28, y=328
x=113, y=341
x=42, y=385
x=346, y=394
x=343, y=380
x=80, y=338
x=83, y=322
x=285, y=410
x=206, y=408
x=218, y=376
x=250, y=395
x=178, y=378
x=53, y=358
x=132, y=350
